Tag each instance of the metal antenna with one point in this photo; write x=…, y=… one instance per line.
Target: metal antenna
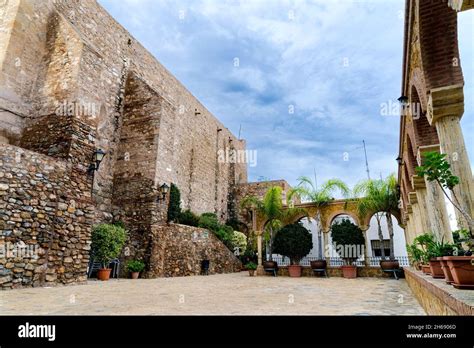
x=366, y=162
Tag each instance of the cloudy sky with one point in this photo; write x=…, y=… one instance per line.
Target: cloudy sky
x=306, y=80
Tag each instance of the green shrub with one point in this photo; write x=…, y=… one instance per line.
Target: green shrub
x=251, y=266
x=107, y=242
x=174, y=206
x=225, y=235
x=188, y=218
x=209, y=221
x=348, y=240
x=135, y=266
x=293, y=241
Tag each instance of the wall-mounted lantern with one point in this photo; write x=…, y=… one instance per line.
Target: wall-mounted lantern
x=97, y=158
x=163, y=190
x=403, y=101
x=399, y=160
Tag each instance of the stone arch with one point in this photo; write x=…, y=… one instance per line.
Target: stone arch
x=329, y=220
x=368, y=217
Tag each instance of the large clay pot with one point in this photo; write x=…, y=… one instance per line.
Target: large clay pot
x=462, y=269
x=349, y=271
x=134, y=275
x=251, y=272
x=447, y=272
x=426, y=269
x=294, y=270
x=318, y=264
x=389, y=264
x=104, y=274
x=435, y=268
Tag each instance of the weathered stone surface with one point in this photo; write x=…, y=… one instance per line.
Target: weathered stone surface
x=177, y=250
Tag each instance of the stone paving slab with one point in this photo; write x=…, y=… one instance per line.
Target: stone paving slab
x=223, y=294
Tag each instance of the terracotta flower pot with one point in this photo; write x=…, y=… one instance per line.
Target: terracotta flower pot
x=447, y=272
x=104, y=274
x=462, y=269
x=318, y=264
x=294, y=270
x=134, y=275
x=251, y=272
x=349, y=271
x=389, y=264
x=436, y=270
x=426, y=269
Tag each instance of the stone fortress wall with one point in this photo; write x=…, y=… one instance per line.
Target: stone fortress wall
x=73, y=80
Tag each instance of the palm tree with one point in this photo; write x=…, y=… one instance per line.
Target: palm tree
x=271, y=207
x=380, y=196
x=319, y=196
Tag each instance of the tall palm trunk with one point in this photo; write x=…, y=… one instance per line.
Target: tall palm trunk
x=320, y=230
x=379, y=226
x=390, y=233
x=270, y=244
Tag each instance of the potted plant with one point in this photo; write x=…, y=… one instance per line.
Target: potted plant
x=415, y=255
x=460, y=264
x=436, y=251
x=349, y=242
x=135, y=267
x=423, y=241
x=295, y=242
x=251, y=267
x=107, y=243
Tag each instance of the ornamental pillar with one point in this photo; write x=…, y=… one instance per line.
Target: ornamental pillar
x=445, y=109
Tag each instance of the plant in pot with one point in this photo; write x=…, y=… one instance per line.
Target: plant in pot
x=251, y=267
x=349, y=243
x=436, y=251
x=424, y=241
x=295, y=242
x=135, y=267
x=107, y=243
x=461, y=264
x=415, y=255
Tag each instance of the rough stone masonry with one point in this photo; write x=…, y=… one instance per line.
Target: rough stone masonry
x=72, y=80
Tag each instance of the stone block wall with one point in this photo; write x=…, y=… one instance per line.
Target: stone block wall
x=177, y=250
x=73, y=80
x=45, y=218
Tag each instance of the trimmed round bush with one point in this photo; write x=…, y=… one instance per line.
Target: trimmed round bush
x=293, y=241
x=348, y=240
x=107, y=242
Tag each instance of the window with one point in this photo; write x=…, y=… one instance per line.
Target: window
x=377, y=250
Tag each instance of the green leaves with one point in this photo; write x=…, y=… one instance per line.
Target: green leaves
x=436, y=168
x=293, y=241
x=107, y=242
x=377, y=195
x=321, y=195
x=174, y=207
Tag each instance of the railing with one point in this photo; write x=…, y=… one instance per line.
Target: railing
x=337, y=261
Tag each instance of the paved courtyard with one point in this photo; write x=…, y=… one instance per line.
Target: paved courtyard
x=224, y=294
